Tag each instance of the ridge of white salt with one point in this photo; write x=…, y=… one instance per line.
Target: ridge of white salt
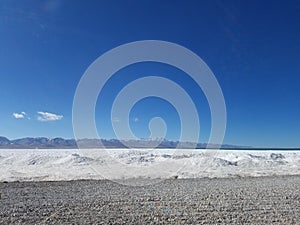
x=72, y=164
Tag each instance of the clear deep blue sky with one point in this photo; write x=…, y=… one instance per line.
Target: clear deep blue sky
x=253, y=48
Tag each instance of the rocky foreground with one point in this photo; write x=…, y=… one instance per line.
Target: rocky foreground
x=264, y=200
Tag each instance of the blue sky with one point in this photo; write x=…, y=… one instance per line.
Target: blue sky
x=253, y=48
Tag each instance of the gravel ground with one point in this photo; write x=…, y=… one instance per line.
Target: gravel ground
x=264, y=200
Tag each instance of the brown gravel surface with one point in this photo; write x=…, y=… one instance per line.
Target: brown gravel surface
x=264, y=200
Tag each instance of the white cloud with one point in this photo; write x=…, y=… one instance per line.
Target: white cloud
x=19, y=115
x=116, y=120
x=46, y=116
x=136, y=119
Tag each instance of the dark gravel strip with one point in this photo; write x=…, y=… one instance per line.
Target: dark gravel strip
x=264, y=200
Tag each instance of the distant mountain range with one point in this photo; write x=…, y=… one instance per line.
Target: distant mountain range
x=44, y=143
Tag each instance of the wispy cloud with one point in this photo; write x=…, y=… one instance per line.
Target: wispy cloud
x=46, y=116
x=136, y=119
x=21, y=115
x=116, y=120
